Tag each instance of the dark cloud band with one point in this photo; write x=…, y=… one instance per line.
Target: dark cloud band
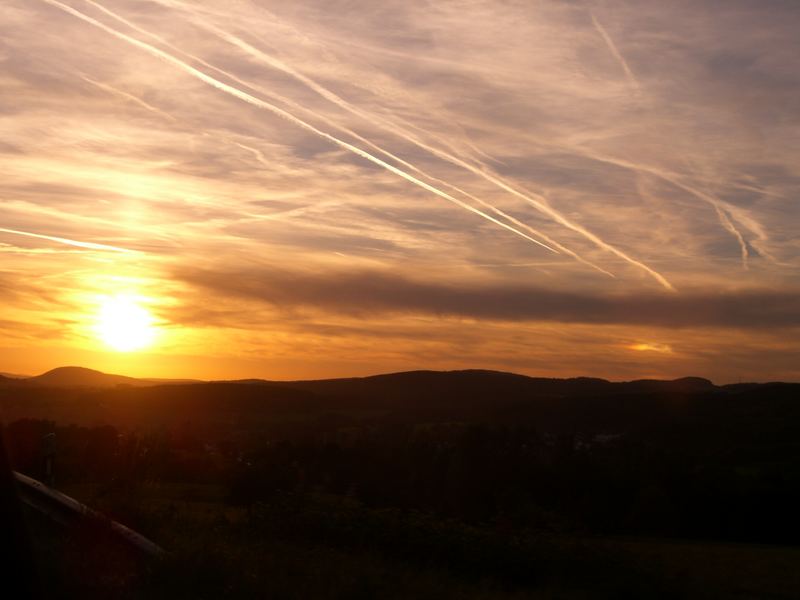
x=365, y=292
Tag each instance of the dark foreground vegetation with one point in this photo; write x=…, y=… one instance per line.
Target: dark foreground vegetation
x=448, y=485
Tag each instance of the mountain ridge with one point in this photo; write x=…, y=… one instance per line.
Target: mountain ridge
x=251, y=407
x=76, y=376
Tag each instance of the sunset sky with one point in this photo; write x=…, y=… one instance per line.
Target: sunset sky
x=245, y=188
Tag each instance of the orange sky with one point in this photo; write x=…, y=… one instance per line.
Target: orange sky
x=309, y=189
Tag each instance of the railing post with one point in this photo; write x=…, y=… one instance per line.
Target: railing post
x=48, y=459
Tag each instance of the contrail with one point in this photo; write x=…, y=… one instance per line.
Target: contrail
x=117, y=92
x=68, y=242
x=552, y=243
x=256, y=152
x=250, y=99
x=56, y=215
x=612, y=47
x=343, y=129
x=476, y=152
x=11, y=249
x=540, y=204
x=723, y=210
x=723, y=218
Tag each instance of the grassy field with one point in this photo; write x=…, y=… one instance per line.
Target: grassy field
x=721, y=570
x=330, y=547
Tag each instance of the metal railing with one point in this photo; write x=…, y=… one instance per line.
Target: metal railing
x=66, y=510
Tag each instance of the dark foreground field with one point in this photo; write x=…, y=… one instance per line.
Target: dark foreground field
x=315, y=546
x=446, y=485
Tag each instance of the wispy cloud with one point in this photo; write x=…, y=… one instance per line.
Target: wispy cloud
x=129, y=97
x=612, y=47
x=538, y=202
x=277, y=164
x=249, y=98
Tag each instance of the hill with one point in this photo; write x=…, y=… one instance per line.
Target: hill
x=481, y=383
x=258, y=407
x=69, y=377
x=498, y=451
x=434, y=386
x=13, y=376
x=78, y=377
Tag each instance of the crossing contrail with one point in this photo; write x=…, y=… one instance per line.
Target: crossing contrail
x=68, y=242
x=259, y=103
x=724, y=211
x=551, y=243
x=724, y=219
x=612, y=47
x=534, y=200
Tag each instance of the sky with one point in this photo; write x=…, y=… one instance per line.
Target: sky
x=321, y=189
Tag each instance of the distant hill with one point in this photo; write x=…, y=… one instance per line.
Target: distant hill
x=392, y=386
x=260, y=407
x=481, y=383
x=80, y=377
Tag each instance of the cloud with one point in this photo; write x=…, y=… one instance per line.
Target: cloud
x=379, y=293
x=246, y=97
x=484, y=171
x=295, y=246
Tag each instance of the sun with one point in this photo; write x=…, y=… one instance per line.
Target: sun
x=125, y=325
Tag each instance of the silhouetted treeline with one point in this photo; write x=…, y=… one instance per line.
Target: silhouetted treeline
x=658, y=482
x=102, y=454
x=688, y=476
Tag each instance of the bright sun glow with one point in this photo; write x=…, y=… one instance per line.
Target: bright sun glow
x=124, y=324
